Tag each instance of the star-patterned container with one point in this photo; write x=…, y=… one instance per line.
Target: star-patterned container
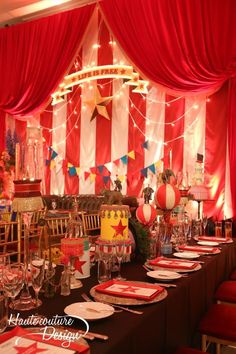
x=114, y=222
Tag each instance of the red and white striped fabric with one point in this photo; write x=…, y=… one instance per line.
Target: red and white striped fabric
x=158, y=121
x=167, y=196
x=146, y=214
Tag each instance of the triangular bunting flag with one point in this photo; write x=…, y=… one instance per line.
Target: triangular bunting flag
x=152, y=168
x=54, y=155
x=131, y=154
x=92, y=177
x=77, y=170
x=145, y=145
x=106, y=179
x=72, y=171
x=109, y=166
x=101, y=168
x=47, y=162
x=144, y=172
x=124, y=159
x=86, y=175
x=121, y=178
x=117, y=162
x=52, y=164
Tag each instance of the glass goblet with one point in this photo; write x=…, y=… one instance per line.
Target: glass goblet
x=119, y=250
x=186, y=227
x=37, y=269
x=12, y=279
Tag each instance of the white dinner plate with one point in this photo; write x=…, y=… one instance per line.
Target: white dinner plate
x=89, y=311
x=186, y=255
x=164, y=275
x=208, y=243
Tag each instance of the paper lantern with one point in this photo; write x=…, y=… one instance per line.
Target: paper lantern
x=167, y=196
x=146, y=214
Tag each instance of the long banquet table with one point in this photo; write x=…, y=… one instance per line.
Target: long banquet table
x=163, y=326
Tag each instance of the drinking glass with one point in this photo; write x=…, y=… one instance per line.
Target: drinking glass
x=204, y=223
x=228, y=230
x=218, y=228
x=104, y=269
x=186, y=226
x=176, y=232
x=120, y=250
x=37, y=269
x=12, y=279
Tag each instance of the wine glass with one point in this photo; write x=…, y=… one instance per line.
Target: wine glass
x=37, y=268
x=186, y=226
x=12, y=279
x=120, y=250
x=204, y=223
x=176, y=232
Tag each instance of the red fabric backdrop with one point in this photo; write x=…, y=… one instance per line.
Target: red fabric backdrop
x=179, y=44
x=35, y=56
x=186, y=46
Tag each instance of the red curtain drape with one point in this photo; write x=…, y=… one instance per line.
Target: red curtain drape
x=232, y=140
x=186, y=46
x=181, y=44
x=34, y=57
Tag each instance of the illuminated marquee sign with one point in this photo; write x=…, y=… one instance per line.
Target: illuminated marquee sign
x=100, y=72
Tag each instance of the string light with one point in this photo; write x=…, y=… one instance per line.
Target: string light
x=117, y=95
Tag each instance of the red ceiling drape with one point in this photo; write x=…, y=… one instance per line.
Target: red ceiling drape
x=181, y=44
x=34, y=57
x=186, y=46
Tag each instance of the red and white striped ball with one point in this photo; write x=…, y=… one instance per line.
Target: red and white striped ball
x=167, y=196
x=146, y=214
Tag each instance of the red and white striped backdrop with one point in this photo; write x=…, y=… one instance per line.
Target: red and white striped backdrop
x=98, y=148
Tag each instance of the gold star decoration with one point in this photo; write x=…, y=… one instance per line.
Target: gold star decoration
x=98, y=105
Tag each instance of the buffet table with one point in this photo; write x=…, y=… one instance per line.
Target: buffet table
x=163, y=326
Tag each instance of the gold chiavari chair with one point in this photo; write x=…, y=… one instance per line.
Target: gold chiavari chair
x=56, y=229
x=10, y=241
x=91, y=224
x=34, y=230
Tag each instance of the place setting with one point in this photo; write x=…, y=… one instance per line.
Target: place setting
x=179, y=266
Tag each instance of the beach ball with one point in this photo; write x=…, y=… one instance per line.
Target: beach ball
x=167, y=196
x=146, y=214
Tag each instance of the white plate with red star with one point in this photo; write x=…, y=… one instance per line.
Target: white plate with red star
x=89, y=311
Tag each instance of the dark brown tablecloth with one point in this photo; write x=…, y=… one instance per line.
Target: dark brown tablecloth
x=164, y=326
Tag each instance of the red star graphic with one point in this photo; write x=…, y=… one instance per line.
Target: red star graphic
x=31, y=349
x=78, y=265
x=123, y=71
x=73, y=79
x=119, y=229
x=136, y=78
x=130, y=289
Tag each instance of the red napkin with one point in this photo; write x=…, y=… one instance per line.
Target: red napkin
x=130, y=289
x=212, y=238
x=173, y=263
x=199, y=249
x=36, y=340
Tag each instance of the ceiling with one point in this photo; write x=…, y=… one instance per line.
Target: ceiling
x=16, y=11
